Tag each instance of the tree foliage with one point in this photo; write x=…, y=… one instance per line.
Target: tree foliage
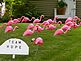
x=20, y=8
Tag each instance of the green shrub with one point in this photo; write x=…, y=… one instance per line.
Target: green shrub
x=20, y=8
x=5, y=18
x=24, y=8
x=61, y=4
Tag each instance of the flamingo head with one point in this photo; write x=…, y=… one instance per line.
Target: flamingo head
x=56, y=17
x=33, y=18
x=75, y=17
x=32, y=39
x=69, y=19
x=78, y=19
x=22, y=16
x=42, y=16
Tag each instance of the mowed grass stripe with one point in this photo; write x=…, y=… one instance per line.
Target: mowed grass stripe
x=78, y=58
x=69, y=55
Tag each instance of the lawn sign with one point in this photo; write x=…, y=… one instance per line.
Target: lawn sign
x=14, y=47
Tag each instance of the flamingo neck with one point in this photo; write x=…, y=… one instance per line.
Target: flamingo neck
x=15, y=28
x=40, y=18
x=54, y=19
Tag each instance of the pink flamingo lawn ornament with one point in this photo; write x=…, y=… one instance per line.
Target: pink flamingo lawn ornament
x=26, y=19
x=42, y=18
x=10, y=28
x=58, y=32
x=69, y=19
x=16, y=27
x=50, y=21
x=38, y=20
x=55, y=19
x=32, y=19
x=16, y=21
x=45, y=23
x=60, y=22
x=22, y=18
x=40, y=29
x=75, y=18
x=69, y=23
x=28, y=32
x=78, y=19
x=75, y=25
x=80, y=23
x=51, y=27
x=10, y=23
x=30, y=26
x=66, y=27
x=37, y=28
x=38, y=41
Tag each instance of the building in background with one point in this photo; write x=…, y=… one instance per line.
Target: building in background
x=47, y=7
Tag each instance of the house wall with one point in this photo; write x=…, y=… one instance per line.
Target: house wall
x=45, y=6
x=78, y=8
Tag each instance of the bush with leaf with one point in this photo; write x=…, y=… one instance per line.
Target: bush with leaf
x=62, y=4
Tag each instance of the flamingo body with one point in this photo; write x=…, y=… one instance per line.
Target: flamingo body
x=38, y=41
x=58, y=32
x=8, y=29
x=28, y=33
x=31, y=26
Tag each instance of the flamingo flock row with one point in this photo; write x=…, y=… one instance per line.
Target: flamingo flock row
x=48, y=25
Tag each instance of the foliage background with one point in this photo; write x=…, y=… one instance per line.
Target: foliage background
x=19, y=8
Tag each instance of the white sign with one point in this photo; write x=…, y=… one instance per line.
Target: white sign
x=15, y=47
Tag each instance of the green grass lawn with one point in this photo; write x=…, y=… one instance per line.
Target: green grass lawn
x=65, y=47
